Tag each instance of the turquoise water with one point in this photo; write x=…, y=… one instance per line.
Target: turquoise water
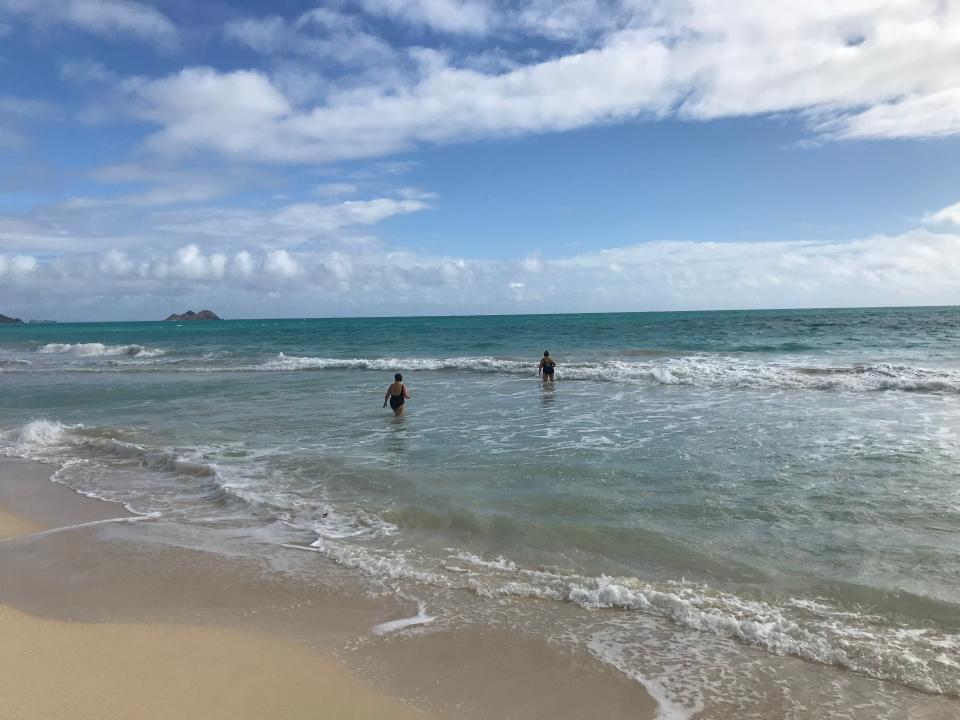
x=782, y=481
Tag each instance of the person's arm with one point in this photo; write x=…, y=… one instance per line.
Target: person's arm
x=406, y=393
x=386, y=397
x=539, y=367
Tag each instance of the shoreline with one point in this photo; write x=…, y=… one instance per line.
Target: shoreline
x=106, y=621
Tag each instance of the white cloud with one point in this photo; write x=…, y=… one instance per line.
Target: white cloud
x=86, y=71
x=281, y=264
x=190, y=263
x=932, y=115
x=189, y=190
x=263, y=35
x=336, y=189
x=569, y=19
x=454, y=16
x=116, y=262
x=867, y=68
x=918, y=267
x=108, y=18
x=328, y=218
x=243, y=264
x=949, y=214
x=320, y=33
x=17, y=266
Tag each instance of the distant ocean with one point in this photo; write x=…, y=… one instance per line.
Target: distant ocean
x=727, y=491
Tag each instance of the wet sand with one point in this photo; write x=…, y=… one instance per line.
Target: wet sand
x=102, y=619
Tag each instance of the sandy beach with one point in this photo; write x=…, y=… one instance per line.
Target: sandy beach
x=101, y=621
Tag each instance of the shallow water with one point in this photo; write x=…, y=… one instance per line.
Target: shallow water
x=750, y=485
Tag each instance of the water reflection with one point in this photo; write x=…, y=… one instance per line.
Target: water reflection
x=547, y=394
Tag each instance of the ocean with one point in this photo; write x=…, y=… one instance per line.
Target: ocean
x=733, y=508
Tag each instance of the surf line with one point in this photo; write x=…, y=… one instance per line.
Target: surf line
x=391, y=626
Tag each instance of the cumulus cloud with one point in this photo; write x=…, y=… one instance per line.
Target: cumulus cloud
x=116, y=262
x=17, y=267
x=118, y=19
x=918, y=267
x=281, y=264
x=949, y=214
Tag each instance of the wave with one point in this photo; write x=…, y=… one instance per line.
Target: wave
x=709, y=371
x=810, y=630
x=98, y=350
x=870, y=645
x=475, y=364
x=73, y=447
x=701, y=371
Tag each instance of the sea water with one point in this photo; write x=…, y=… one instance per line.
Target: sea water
x=722, y=489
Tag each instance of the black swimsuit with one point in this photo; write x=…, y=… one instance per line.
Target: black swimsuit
x=396, y=400
x=548, y=368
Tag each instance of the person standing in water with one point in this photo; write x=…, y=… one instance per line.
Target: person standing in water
x=546, y=367
x=396, y=395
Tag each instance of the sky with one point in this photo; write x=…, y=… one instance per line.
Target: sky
x=433, y=157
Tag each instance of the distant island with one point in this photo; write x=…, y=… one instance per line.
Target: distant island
x=5, y=319
x=191, y=315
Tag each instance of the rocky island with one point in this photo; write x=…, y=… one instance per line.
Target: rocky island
x=5, y=319
x=191, y=315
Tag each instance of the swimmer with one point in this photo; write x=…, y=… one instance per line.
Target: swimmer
x=546, y=367
x=396, y=395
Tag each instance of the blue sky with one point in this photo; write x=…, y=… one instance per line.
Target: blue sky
x=472, y=156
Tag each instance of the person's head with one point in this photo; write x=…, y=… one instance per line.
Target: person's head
x=398, y=377
x=546, y=353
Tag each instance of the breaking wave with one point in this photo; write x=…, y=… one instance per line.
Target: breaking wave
x=702, y=371
x=80, y=451
x=98, y=350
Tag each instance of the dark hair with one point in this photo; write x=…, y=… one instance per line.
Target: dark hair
x=398, y=377
x=546, y=352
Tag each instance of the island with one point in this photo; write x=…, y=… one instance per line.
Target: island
x=191, y=315
x=5, y=319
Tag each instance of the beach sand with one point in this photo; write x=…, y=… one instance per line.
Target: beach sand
x=101, y=619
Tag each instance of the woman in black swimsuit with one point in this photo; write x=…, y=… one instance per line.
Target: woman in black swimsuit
x=546, y=366
x=396, y=395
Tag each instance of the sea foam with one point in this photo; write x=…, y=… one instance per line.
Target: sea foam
x=98, y=350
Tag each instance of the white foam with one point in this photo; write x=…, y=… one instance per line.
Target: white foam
x=694, y=370
x=858, y=643
x=667, y=707
x=40, y=434
x=99, y=350
x=480, y=364
x=392, y=626
x=500, y=563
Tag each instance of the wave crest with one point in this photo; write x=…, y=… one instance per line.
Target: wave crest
x=98, y=350
x=700, y=371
